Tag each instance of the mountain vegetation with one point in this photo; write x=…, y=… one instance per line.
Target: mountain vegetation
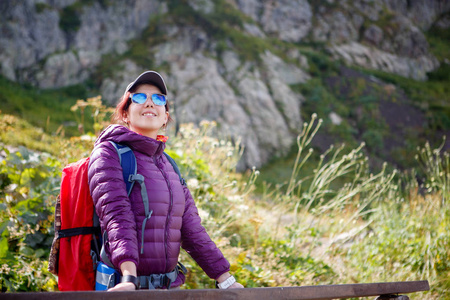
x=348, y=181
x=342, y=224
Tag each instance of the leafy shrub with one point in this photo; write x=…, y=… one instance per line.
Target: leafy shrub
x=29, y=184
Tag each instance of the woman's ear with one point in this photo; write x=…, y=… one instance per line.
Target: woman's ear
x=125, y=118
x=167, y=117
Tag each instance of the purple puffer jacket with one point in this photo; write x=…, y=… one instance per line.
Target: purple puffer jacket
x=174, y=222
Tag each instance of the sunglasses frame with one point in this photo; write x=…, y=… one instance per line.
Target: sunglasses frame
x=151, y=97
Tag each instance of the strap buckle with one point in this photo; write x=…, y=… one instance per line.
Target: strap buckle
x=155, y=281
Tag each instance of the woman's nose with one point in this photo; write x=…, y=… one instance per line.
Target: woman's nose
x=149, y=102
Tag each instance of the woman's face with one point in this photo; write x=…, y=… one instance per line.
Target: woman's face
x=148, y=118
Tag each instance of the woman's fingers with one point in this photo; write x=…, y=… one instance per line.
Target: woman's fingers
x=124, y=286
x=236, y=285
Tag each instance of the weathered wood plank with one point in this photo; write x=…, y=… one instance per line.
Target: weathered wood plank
x=320, y=292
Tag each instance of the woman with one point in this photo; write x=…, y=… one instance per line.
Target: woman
x=173, y=220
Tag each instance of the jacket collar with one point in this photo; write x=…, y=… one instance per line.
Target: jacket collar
x=122, y=135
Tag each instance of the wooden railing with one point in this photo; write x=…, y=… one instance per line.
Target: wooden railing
x=385, y=290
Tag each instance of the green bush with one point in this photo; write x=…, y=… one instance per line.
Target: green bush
x=29, y=184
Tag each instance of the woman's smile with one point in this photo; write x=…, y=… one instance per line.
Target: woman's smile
x=149, y=114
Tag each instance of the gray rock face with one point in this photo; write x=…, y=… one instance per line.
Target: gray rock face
x=31, y=33
x=373, y=35
x=202, y=93
x=61, y=70
x=399, y=46
x=260, y=110
x=27, y=36
x=334, y=28
x=279, y=76
x=358, y=54
x=241, y=101
x=422, y=13
x=411, y=43
x=443, y=22
x=112, y=89
x=254, y=30
x=107, y=29
x=249, y=100
x=368, y=8
x=286, y=19
x=32, y=41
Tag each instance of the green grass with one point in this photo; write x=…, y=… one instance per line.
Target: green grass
x=49, y=109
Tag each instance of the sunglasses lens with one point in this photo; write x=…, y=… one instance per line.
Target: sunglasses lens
x=159, y=99
x=139, y=98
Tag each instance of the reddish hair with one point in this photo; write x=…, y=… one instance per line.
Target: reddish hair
x=124, y=104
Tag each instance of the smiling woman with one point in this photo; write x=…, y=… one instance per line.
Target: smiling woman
x=146, y=226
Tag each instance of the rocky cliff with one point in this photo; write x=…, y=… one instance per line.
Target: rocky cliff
x=58, y=43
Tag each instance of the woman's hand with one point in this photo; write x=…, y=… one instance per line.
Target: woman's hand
x=124, y=286
x=236, y=285
x=127, y=268
x=225, y=276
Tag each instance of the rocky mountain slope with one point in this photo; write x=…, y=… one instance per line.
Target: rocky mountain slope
x=235, y=62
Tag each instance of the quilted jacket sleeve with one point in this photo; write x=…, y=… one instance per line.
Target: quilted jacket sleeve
x=112, y=204
x=197, y=242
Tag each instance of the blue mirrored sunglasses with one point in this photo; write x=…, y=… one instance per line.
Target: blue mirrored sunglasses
x=140, y=98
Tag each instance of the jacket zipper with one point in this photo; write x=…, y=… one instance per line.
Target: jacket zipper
x=166, y=230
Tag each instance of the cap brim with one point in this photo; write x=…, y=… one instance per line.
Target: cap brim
x=150, y=77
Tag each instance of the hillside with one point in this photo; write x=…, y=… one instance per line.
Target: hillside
x=284, y=79
x=374, y=71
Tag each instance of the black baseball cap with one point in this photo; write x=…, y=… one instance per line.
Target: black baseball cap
x=150, y=77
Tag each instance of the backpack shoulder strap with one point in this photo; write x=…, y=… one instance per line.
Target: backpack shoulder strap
x=175, y=167
x=128, y=162
x=129, y=170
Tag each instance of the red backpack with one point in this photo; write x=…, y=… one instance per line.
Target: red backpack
x=75, y=272
x=76, y=246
